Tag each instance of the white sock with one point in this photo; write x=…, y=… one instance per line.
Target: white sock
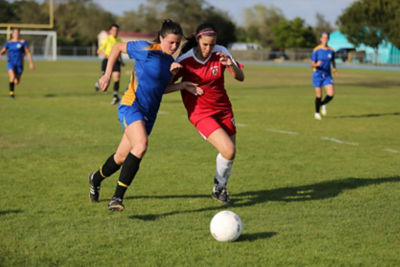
x=224, y=167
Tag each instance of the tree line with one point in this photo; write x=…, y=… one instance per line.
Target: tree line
x=78, y=22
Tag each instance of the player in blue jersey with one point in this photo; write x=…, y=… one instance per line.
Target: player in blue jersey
x=321, y=59
x=16, y=48
x=139, y=105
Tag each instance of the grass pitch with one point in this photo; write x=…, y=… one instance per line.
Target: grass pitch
x=309, y=193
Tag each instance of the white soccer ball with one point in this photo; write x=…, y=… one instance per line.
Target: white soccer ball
x=226, y=226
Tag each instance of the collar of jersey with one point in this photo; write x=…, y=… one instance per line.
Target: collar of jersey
x=198, y=60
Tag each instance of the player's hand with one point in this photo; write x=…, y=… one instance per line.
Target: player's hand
x=319, y=63
x=31, y=66
x=104, y=82
x=175, y=67
x=335, y=72
x=224, y=59
x=192, y=88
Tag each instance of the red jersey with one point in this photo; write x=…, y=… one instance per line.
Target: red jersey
x=209, y=75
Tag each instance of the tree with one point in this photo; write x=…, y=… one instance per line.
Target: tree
x=370, y=22
x=321, y=26
x=294, y=34
x=79, y=21
x=258, y=23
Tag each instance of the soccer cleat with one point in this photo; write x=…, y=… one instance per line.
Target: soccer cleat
x=94, y=191
x=324, y=112
x=317, y=116
x=220, y=194
x=97, y=86
x=116, y=204
x=114, y=100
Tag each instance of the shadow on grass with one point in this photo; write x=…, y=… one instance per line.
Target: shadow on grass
x=317, y=191
x=5, y=212
x=367, y=115
x=256, y=236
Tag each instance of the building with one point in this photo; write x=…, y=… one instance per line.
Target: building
x=387, y=52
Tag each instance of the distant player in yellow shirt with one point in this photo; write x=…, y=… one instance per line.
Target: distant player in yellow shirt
x=104, y=51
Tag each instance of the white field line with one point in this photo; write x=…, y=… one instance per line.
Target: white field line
x=240, y=125
x=339, y=141
x=281, y=131
x=392, y=150
x=163, y=112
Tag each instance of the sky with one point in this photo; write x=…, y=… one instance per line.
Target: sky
x=306, y=9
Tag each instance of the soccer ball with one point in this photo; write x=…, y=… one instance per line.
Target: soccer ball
x=226, y=226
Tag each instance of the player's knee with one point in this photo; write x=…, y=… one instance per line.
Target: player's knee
x=229, y=153
x=119, y=158
x=139, y=150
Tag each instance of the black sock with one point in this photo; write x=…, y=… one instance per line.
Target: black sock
x=12, y=88
x=317, y=104
x=128, y=172
x=108, y=168
x=116, y=88
x=326, y=100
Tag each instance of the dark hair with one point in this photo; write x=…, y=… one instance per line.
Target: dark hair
x=168, y=26
x=206, y=29
x=325, y=32
x=114, y=25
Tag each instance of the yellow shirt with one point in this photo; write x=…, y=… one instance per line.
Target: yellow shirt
x=108, y=43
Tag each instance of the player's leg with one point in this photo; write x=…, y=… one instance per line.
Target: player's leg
x=11, y=79
x=330, y=93
x=318, y=98
x=132, y=149
x=103, y=70
x=225, y=145
x=116, y=77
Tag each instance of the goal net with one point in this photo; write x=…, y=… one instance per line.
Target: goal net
x=42, y=44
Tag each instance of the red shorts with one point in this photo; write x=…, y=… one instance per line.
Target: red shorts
x=208, y=125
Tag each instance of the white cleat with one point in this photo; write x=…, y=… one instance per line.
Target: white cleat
x=317, y=116
x=324, y=112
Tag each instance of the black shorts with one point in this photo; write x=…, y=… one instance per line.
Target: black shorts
x=117, y=66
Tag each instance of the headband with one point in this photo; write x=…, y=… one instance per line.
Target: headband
x=204, y=32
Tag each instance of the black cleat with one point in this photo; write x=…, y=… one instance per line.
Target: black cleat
x=116, y=204
x=220, y=194
x=94, y=191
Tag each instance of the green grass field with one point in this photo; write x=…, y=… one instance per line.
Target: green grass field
x=309, y=193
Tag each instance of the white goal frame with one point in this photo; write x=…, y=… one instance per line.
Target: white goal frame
x=50, y=44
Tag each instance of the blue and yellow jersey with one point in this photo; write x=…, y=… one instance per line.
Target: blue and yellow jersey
x=149, y=79
x=326, y=55
x=108, y=44
x=16, y=51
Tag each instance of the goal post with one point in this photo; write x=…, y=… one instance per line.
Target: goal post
x=42, y=44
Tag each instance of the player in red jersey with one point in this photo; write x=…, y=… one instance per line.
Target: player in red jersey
x=203, y=63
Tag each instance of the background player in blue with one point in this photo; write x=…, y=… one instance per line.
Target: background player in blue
x=16, y=48
x=321, y=59
x=139, y=105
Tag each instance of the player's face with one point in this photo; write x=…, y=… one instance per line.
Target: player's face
x=170, y=43
x=114, y=31
x=15, y=34
x=206, y=45
x=324, y=39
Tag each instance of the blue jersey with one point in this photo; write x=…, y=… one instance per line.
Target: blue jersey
x=16, y=51
x=149, y=79
x=326, y=55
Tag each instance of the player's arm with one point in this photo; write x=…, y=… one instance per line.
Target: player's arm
x=334, y=65
x=29, y=55
x=116, y=51
x=2, y=51
x=188, y=86
x=236, y=72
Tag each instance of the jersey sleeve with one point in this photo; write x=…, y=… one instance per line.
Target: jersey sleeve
x=7, y=46
x=314, y=56
x=103, y=44
x=137, y=49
